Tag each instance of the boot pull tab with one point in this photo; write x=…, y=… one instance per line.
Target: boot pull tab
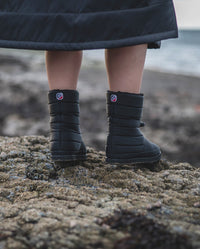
x=142, y=124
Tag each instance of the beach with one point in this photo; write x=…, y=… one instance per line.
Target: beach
x=171, y=104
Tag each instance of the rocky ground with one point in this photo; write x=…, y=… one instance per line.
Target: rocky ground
x=171, y=106
x=92, y=204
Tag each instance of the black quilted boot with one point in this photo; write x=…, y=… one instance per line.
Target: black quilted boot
x=125, y=142
x=65, y=137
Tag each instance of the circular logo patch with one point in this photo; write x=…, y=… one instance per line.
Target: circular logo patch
x=113, y=98
x=59, y=96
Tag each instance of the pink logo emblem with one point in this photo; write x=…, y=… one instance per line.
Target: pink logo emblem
x=59, y=96
x=113, y=98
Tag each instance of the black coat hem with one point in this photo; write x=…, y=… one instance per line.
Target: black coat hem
x=153, y=41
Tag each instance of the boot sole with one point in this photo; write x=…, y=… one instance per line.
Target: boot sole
x=135, y=160
x=68, y=161
x=68, y=158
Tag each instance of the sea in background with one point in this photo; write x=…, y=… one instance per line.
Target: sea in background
x=179, y=56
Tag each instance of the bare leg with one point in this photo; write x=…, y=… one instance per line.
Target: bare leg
x=125, y=67
x=63, y=69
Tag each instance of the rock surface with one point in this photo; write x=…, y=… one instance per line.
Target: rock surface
x=92, y=204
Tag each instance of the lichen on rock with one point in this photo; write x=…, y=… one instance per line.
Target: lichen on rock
x=92, y=204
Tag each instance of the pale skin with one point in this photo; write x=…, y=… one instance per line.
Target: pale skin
x=124, y=68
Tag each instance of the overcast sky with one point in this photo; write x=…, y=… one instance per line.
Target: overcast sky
x=187, y=12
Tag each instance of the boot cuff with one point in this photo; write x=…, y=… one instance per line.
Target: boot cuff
x=56, y=95
x=125, y=98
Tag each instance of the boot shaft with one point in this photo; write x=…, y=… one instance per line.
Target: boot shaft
x=125, y=141
x=65, y=135
x=124, y=110
x=64, y=109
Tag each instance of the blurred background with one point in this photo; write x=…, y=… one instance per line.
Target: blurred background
x=171, y=85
